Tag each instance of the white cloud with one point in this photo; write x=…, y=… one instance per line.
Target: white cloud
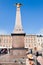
x=3, y=32
x=40, y=32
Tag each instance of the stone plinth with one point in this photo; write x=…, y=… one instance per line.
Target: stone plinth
x=18, y=40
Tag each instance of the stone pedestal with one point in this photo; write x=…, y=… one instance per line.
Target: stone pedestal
x=18, y=40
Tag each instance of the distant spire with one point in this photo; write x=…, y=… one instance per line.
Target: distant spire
x=18, y=23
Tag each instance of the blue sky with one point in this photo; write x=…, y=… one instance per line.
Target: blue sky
x=32, y=16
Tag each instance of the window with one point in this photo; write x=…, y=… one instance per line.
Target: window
x=42, y=45
x=0, y=40
x=29, y=45
x=39, y=43
x=26, y=40
x=5, y=40
x=38, y=40
x=41, y=40
x=34, y=44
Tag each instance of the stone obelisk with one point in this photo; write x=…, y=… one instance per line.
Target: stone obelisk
x=18, y=22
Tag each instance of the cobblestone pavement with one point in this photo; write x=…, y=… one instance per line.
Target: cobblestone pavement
x=9, y=59
x=11, y=64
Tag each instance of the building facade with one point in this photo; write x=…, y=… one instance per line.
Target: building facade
x=34, y=41
x=5, y=41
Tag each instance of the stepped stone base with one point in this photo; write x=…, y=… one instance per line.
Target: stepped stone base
x=18, y=52
x=17, y=56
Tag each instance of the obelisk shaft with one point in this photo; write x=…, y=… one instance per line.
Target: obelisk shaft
x=18, y=22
